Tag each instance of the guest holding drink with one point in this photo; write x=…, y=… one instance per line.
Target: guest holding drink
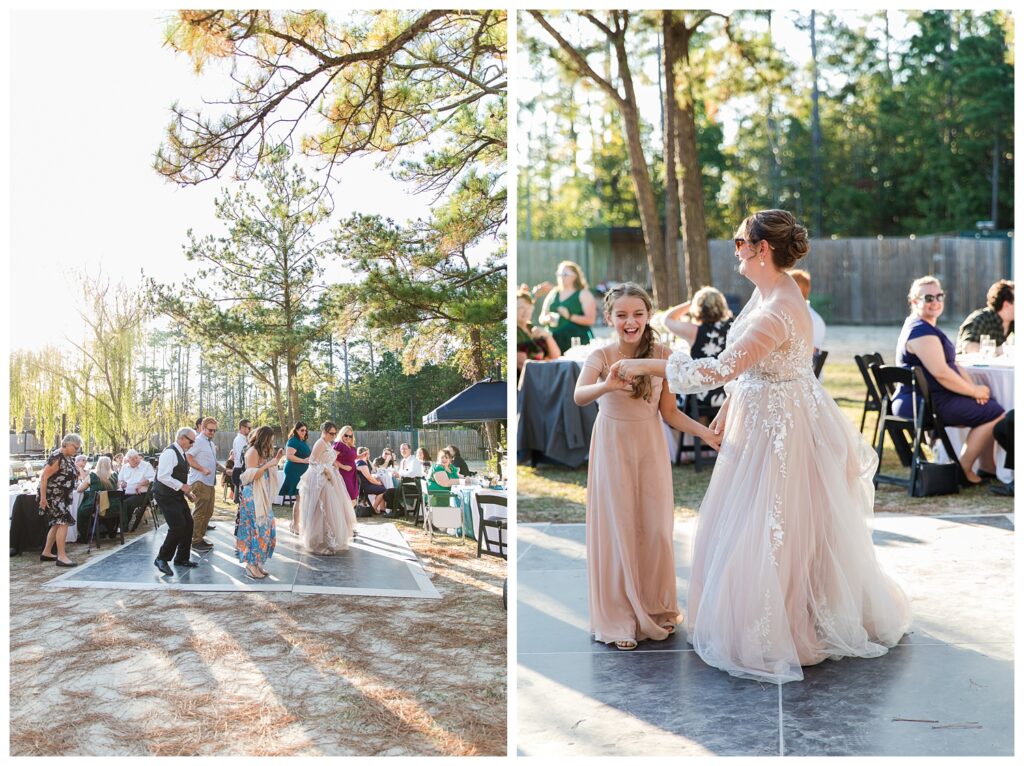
x=571, y=309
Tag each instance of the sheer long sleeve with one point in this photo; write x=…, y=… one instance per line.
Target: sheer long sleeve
x=758, y=339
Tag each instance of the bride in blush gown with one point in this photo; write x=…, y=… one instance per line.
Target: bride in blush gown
x=328, y=520
x=784, y=571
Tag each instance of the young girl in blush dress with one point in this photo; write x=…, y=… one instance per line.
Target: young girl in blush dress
x=630, y=565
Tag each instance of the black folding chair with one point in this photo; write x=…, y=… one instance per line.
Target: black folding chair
x=908, y=434
x=873, y=397
x=818, y=362
x=491, y=545
x=113, y=495
x=410, y=497
x=691, y=406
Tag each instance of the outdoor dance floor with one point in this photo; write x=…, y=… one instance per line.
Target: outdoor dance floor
x=378, y=563
x=952, y=675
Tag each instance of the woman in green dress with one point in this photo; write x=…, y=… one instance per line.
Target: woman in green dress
x=571, y=309
x=296, y=458
x=102, y=479
x=443, y=476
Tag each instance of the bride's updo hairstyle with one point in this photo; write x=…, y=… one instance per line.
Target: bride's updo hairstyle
x=642, y=383
x=787, y=238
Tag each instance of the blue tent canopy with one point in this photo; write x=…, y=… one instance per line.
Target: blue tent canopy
x=481, y=402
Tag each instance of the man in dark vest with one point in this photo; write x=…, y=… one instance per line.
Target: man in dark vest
x=170, y=491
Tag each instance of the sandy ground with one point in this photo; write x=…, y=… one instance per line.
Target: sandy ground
x=105, y=672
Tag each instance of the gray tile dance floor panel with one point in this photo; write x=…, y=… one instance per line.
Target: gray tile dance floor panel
x=378, y=563
x=952, y=675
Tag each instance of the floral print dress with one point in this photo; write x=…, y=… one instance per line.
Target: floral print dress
x=60, y=487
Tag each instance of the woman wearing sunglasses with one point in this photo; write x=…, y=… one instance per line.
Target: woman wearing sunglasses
x=571, y=309
x=784, y=572
x=345, y=448
x=956, y=398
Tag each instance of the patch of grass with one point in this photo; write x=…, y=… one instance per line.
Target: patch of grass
x=553, y=493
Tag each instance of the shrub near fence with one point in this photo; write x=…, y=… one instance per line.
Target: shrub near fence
x=862, y=281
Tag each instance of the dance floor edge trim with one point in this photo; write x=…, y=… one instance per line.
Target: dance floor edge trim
x=378, y=534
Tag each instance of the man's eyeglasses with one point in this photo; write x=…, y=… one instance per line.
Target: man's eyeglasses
x=933, y=298
x=190, y=441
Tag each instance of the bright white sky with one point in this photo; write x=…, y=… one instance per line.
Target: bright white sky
x=90, y=97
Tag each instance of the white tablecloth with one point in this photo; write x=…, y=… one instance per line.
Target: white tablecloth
x=491, y=511
x=999, y=379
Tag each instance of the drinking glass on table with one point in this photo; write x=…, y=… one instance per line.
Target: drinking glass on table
x=574, y=342
x=988, y=347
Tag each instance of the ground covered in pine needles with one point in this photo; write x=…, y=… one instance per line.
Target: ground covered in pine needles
x=106, y=672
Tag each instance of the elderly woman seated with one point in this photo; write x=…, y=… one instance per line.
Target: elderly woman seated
x=956, y=398
x=102, y=479
x=532, y=342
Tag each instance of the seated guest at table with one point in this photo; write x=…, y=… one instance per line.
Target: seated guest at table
x=296, y=456
x=117, y=462
x=703, y=322
x=388, y=456
x=382, y=472
x=443, y=476
x=532, y=342
x=136, y=479
x=803, y=281
x=458, y=462
x=101, y=481
x=380, y=497
x=410, y=465
x=958, y=400
x=424, y=457
x=1003, y=433
x=995, y=320
x=56, y=485
x=571, y=309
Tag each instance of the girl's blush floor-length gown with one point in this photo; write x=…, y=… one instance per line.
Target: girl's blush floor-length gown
x=630, y=564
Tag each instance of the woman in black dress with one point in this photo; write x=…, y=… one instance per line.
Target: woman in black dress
x=459, y=462
x=56, y=485
x=703, y=322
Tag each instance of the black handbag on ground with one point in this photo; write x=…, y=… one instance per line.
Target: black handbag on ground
x=936, y=479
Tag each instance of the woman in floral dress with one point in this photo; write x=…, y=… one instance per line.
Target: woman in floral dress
x=56, y=486
x=256, y=537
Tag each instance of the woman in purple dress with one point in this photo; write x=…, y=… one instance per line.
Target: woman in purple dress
x=957, y=399
x=346, y=460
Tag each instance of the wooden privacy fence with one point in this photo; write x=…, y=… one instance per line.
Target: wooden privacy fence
x=854, y=281
x=469, y=441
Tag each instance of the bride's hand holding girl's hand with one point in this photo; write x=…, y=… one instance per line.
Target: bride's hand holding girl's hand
x=632, y=368
x=718, y=424
x=617, y=383
x=709, y=437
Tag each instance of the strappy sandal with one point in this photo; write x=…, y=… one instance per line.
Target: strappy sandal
x=625, y=646
x=251, y=576
x=671, y=628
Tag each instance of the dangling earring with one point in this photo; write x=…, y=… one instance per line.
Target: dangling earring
x=762, y=261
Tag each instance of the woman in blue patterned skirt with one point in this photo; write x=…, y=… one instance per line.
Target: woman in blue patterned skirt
x=256, y=535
